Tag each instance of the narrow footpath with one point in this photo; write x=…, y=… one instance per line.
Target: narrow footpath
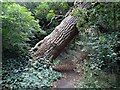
x=70, y=80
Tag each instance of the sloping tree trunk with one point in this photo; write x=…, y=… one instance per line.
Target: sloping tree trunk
x=53, y=44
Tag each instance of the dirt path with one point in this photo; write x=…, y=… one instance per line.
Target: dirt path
x=70, y=80
x=69, y=68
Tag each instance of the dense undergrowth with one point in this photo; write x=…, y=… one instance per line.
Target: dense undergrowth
x=30, y=75
x=22, y=29
x=98, y=35
x=102, y=65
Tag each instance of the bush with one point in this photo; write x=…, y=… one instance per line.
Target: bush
x=47, y=10
x=44, y=8
x=17, y=25
x=103, y=15
x=99, y=37
x=101, y=68
x=31, y=6
x=50, y=15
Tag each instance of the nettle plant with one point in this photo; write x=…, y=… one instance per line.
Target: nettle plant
x=17, y=25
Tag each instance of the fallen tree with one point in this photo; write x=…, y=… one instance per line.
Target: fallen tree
x=53, y=44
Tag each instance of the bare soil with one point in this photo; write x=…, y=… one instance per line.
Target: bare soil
x=70, y=80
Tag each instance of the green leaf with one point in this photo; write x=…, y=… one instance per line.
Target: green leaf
x=102, y=38
x=51, y=11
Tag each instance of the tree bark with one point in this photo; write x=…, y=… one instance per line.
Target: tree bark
x=53, y=44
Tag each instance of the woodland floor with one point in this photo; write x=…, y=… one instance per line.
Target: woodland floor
x=70, y=80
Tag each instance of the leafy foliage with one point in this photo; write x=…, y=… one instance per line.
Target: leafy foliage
x=50, y=15
x=96, y=26
x=44, y=8
x=48, y=10
x=106, y=14
x=17, y=25
x=31, y=6
x=37, y=74
x=105, y=48
x=99, y=15
x=102, y=57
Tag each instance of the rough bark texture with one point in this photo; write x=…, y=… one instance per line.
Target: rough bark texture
x=53, y=44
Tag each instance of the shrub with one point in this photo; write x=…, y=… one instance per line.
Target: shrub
x=17, y=25
x=44, y=8
x=103, y=15
x=98, y=35
x=47, y=10
x=31, y=6
x=50, y=15
x=102, y=61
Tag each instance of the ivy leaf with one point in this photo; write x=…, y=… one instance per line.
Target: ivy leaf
x=102, y=38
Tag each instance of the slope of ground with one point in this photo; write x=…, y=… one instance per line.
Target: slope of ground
x=70, y=80
x=71, y=69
